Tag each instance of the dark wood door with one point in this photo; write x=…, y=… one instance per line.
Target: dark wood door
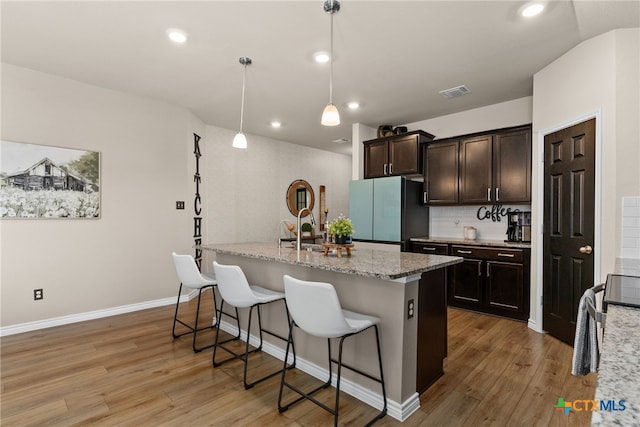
x=432, y=327
x=569, y=187
x=512, y=166
x=441, y=173
x=376, y=158
x=467, y=283
x=504, y=286
x=403, y=155
x=476, y=169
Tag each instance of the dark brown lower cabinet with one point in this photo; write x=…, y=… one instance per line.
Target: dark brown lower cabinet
x=432, y=327
x=491, y=280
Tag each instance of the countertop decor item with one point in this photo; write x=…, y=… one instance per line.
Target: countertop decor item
x=341, y=227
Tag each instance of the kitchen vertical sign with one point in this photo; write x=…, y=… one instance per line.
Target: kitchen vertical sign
x=197, y=209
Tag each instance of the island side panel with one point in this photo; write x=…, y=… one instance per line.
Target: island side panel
x=382, y=298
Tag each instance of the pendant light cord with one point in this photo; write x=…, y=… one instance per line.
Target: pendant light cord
x=244, y=78
x=331, y=65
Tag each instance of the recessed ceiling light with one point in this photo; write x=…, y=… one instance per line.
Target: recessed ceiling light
x=532, y=9
x=321, y=57
x=177, y=36
x=276, y=124
x=353, y=105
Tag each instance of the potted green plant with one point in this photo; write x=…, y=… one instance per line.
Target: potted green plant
x=306, y=229
x=341, y=229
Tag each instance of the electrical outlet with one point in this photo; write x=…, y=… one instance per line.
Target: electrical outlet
x=410, y=309
x=38, y=294
x=179, y=205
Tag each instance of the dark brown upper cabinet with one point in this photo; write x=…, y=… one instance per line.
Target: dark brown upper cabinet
x=441, y=181
x=490, y=167
x=395, y=155
x=512, y=166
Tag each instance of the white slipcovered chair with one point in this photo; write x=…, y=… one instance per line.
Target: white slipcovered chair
x=315, y=308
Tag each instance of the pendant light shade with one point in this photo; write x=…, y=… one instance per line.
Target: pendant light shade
x=240, y=141
x=330, y=115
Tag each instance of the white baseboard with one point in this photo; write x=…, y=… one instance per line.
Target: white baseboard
x=532, y=324
x=91, y=315
x=399, y=411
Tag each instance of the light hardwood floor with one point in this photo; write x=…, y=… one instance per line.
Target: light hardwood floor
x=127, y=370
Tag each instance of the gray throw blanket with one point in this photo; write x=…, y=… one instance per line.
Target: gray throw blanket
x=585, y=345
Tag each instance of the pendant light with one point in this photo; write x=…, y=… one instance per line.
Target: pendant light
x=240, y=141
x=330, y=115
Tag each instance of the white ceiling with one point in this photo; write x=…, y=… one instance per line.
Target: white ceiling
x=392, y=56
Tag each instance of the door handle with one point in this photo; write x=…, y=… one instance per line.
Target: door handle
x=497, y=194
x=384, y=169
x=489, y=194
x=586, y=249
x=390, y=168
x=424, y=197
x=463, y=252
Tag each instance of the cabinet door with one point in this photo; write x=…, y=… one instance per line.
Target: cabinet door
x=466, y=283
x=505, y=286
x=441, y=173
x=387, y=203
x=512, y=167
x=376, y=159
x=404, y=155
x=361, y=208
x=475, y=169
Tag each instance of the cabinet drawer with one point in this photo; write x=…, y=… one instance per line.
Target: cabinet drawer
x=430, y=248
x=493, y=254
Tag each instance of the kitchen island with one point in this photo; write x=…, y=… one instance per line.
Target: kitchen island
x=380, y=283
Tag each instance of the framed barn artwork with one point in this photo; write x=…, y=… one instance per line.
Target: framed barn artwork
x=44, y=182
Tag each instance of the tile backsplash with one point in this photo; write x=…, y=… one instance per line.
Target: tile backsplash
x=448, y=221
x=630, y=227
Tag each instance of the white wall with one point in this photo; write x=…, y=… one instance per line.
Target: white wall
x=246, y=190
x=123, y=257
x=505, y=114
x=600, y=76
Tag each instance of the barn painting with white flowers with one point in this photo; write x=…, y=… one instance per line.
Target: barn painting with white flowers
x=56, y=182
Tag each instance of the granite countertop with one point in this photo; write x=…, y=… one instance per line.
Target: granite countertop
x=384, y=265
x=478, y=242
x=619, y=369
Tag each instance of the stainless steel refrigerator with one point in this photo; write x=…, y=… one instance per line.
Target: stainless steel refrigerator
x=388, y=210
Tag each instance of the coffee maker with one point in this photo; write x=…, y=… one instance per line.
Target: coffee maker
x=519, y=227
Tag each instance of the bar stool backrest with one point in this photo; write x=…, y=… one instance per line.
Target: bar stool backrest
x=233, y=285
x=188, y=272
x=315, y=308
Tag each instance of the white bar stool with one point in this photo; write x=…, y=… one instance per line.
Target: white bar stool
x=191, y=277
x=236, y=291
x=315, y=308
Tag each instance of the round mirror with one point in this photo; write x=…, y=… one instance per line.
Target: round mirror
x=300, y=195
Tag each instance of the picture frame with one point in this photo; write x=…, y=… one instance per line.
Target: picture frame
x=47, y=182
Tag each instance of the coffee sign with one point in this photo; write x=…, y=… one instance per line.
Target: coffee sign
x=495, y=213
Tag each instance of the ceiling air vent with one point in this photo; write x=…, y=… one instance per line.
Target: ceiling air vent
x=455, y=92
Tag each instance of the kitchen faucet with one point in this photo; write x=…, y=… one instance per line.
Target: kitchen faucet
x=313, y=222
